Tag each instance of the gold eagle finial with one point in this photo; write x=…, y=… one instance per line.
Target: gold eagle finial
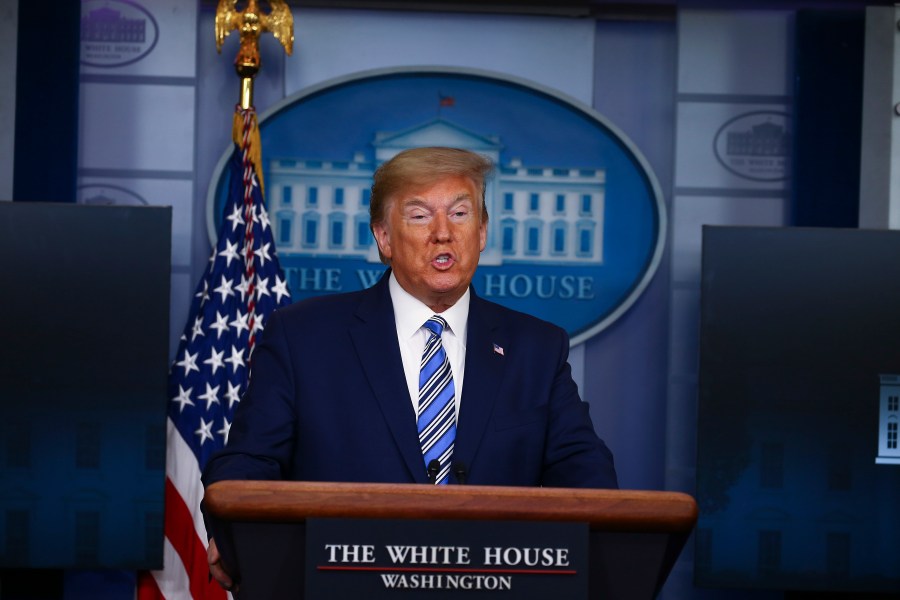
x=251, y=23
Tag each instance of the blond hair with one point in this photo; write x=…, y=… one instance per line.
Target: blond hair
x=419, y=167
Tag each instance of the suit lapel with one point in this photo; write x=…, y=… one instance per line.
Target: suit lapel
x=484, y=373
x=375, y=340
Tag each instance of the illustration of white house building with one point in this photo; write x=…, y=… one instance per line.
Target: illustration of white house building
x=538, y=214
x=889, y=421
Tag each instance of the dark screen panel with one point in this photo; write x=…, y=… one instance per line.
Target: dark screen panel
x=799, y=358
x=828, y=105
x=46, y=107
x=83, y=367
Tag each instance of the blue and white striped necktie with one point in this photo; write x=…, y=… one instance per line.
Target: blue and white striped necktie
x=436, y=417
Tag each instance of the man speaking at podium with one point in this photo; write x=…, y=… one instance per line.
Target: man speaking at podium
x=417, y=379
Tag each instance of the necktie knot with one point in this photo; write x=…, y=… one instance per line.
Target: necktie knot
x=436, y=325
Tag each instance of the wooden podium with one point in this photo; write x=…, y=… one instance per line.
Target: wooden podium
x=634, y=536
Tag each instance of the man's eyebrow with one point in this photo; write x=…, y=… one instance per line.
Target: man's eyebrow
x=414, y=202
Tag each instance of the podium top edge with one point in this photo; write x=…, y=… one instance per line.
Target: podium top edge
x=609, y=510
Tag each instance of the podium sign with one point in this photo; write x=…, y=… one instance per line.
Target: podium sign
x=633, y=538
x=387, y=559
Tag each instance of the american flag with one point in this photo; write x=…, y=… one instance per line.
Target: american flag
x=242, y=285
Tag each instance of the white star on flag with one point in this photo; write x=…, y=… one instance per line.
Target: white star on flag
x=233, y=395
x=236, y=359
x=240, y=322
x=198, y=328
x=225, y=289
x=221, y=325
x=183, y=398
x=230, y=252
x=263, y=254
x=211, y=396
x=236, y=217
x=215, y=360
x=280, y=289
x=188, y=363
x=226, y=428
x=205, y=431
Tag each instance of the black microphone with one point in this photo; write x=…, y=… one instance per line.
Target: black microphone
x=434, y=467
x=459, y=469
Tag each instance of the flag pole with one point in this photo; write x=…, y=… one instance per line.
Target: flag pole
x=250, y=24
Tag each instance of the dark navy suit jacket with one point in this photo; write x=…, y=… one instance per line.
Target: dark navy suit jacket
x=328, y=401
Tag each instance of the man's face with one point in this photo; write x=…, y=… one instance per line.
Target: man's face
x=433, y=237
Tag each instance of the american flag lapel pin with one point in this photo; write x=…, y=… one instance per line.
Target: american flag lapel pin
x=498, y=349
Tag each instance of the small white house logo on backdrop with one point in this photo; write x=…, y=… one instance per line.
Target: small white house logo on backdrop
x=889, y=421
x=109, y=195
x=755, y=145
x=116, y=33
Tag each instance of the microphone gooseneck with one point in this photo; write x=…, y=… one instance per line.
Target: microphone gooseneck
x=459, y=469
x=434, y=467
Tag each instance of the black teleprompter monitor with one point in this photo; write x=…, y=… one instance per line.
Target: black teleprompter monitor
x=798, y=473
x=84, y=327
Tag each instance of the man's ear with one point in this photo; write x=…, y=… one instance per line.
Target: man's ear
x=482, y=235
x=382, y=238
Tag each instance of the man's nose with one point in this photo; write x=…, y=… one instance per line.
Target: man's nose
x=440, y=230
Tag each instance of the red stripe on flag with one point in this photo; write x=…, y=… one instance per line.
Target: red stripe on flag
x=191, y=549
x=147, y=588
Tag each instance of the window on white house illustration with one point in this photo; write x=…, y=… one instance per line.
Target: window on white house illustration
x=310, y=230
x=560, y=204
x=837, y=553
x=892, y=436
x=336, y=238
x=87, y=535
x=585, y=240
x=363, y=235
x=533, y=238
x=586, y=204
x=509, y=237
x=508, y=202
x=534, y=203
x=17, y=532
x=769, y=552
x=287, y=195
x=284, y=228
x=559, y=238
x=339, y=196
x=312, y=196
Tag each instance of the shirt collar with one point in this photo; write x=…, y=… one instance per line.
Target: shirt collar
x=410, y=313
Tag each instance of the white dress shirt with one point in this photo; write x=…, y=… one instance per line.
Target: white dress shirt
x=410, y=315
